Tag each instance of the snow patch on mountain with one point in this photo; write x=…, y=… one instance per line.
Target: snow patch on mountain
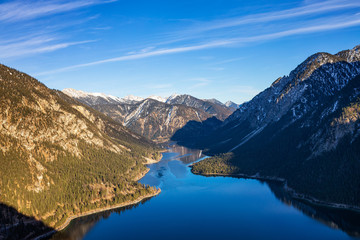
x=132, y=98
x=174, y=95
x=157, y=98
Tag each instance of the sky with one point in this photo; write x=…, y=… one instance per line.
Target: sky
x=228, y=50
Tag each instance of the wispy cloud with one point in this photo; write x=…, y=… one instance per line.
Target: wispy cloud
x=199, y=82
x=159, y=86
x=227, y=61
x=25, y=10
x=142, y=55
x=34, y=46
x=310, y=9
x=28, y=34
x=217, y=27
x=247, y=90
x=144, y=50
x=240, y=41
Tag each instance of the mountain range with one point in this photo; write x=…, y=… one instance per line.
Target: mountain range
x=154, y=117
x=304, y=129
x=67, y=153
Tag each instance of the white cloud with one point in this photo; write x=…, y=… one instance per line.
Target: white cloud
x=313, y=8
x=25, y=10
x=159, y=86
x=227, y=61
x=34, y=46
x=199, y=82
x=142, y=55
x=218, y=26
x=247, y=90
x=331, y=25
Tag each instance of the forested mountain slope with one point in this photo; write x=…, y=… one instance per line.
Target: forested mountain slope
x=61, y=158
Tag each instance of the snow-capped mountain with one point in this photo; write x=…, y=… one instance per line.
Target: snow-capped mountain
x=102, y=98
x=131, y=99
x=99, y=98
x=232, y=105
x=154, y=117
x=157, y=98
x=174, y=95
x=91, y=98
x=213, y=100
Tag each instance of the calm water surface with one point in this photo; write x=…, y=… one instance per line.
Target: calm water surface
x=198, y=207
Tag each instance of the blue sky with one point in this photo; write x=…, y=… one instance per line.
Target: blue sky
x=229, y=50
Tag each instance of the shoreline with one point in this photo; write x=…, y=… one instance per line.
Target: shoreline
x=69, y=219
x=139, y=199
x=292, y=192
x=98, y=210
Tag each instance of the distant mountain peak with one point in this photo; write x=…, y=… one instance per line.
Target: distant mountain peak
x=81, y=94
x=172, y=96
x=213, y=100
x=231, y=104
x=157, y=98
x=99, y=98
x=132, y=98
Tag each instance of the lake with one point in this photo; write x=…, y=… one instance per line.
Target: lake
x=198, y=207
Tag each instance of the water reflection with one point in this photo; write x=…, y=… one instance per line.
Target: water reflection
x=79, y=227
x=245, y=203
x=186, y=155
x=346, y=220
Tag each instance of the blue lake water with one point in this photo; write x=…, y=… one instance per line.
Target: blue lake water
x=198, y=207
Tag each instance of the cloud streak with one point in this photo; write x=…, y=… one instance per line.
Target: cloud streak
x=25, y=10
x=336, y=24
x=35, y=46
x=198, y=29
x=315, y=8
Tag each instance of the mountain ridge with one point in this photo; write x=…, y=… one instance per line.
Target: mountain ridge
x=158, y=118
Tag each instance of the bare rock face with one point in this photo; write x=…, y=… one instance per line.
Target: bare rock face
x=210, y=106
x=154, y=117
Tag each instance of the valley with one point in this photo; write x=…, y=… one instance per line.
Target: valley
x=179, y=119
x=213, y=208
x=70, y=154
